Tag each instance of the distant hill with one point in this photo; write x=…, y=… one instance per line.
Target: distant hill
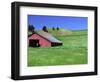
x=80, y=32
x=63, y=32
x=60, y=32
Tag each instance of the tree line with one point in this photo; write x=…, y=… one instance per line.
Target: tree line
x=44, y=28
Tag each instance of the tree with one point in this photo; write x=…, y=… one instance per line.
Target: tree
x=57, y=28
x=44, y=29
x=31, y=28
x=53, y=28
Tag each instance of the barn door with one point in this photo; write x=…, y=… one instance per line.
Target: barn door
x=34, y=43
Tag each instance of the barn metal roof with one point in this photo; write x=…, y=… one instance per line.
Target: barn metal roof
x=48, y=36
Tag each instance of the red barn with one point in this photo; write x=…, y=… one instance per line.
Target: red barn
x=43, y=39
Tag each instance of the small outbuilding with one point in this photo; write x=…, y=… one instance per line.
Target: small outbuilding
x=43, y=39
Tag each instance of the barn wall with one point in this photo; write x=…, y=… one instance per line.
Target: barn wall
x=43, y=42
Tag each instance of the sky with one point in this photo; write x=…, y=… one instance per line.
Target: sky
x=66, y=22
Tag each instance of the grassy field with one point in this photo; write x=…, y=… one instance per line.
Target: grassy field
x=73, y=51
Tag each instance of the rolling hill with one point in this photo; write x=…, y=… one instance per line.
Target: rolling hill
x=60, y=32
x=63, y=32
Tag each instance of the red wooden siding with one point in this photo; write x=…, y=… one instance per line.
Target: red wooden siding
x=42, y=41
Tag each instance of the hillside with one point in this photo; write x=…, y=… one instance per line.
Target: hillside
x=60, y=32
x=79, y=32
x=63, y=32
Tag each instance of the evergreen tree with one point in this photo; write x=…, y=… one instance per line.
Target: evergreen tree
x=31, y=28
x=57, y=28
x=53, y=28
x=44, y=29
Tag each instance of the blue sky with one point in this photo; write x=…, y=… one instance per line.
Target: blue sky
x=66, y=22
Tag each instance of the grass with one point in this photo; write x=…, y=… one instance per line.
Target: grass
x=73, y=51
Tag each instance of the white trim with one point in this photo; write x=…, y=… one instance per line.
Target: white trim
x=24, y=70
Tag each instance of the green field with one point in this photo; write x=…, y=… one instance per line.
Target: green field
x=73, y=51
